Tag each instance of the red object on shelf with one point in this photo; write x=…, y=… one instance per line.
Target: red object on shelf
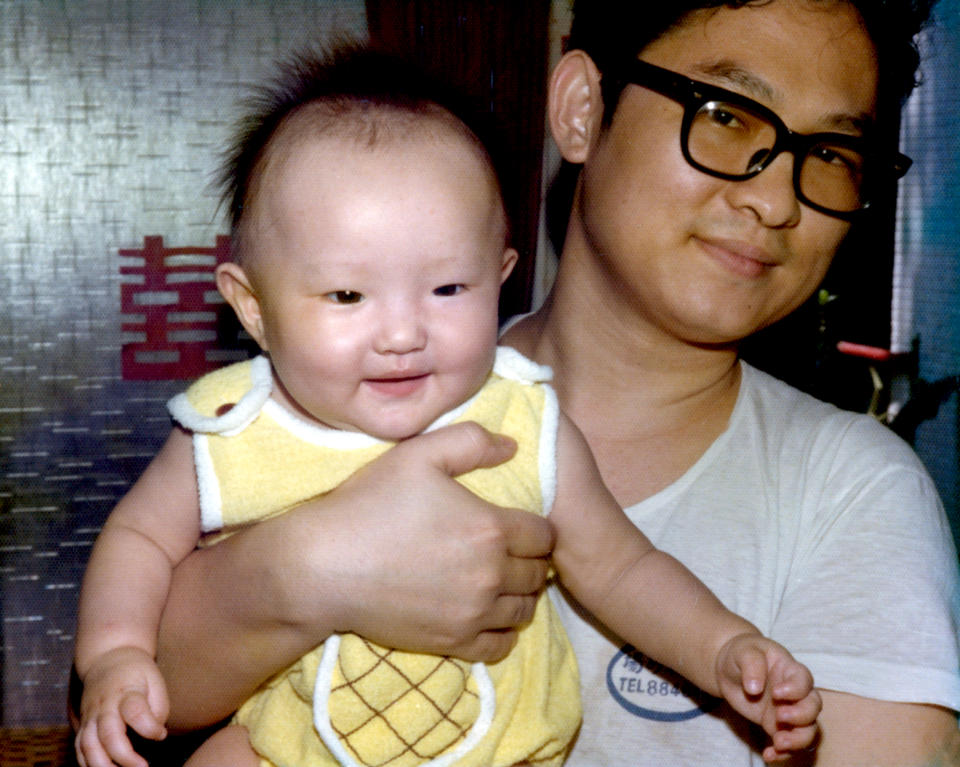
x=862, y=350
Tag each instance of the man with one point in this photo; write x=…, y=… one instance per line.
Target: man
x=689, y=232
x=702, y=214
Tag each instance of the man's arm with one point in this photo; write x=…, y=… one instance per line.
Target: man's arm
x=417, y=563
x=864, y=732
x=873, y=583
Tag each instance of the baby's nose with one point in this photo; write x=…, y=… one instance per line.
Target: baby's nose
x=401, y=332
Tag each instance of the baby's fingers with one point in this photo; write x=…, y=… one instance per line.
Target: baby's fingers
x=113, y=735
x=791, y=680
x=801, y=713
x=752, y=664
x=90, y=752
x=788, y=742
x=103, y=742
x=137, y=713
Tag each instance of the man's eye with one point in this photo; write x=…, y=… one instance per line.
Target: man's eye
x=720, y=114
x=827, y=155
x=840, y=156
x=449, y=290
x=345, y=297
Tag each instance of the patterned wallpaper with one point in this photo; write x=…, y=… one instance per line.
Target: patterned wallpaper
x=112, y=117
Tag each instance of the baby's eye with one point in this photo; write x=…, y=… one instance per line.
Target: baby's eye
x=449, y=290
x=345, y=297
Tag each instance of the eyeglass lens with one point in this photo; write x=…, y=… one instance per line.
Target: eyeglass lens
x=732, y=140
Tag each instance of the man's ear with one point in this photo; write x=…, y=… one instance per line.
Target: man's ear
x=235, y=286
x=575, y=105
x=507, y=263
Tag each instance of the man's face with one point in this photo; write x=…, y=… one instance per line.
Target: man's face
x=710, y=260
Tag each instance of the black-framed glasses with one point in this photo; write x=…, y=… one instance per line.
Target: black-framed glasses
x=730, y=136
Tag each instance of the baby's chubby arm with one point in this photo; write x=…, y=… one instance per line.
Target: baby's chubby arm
x=153, y=527
x=651, y=600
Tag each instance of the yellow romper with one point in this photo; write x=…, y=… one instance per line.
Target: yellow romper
x=350, y=702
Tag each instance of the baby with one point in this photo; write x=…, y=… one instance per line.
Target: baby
x=371, y=243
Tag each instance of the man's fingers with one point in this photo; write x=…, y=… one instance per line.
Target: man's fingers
x=493, y=643
x=528, y=535
x=463, y=447
x=488, y=646
x=525, y=576
x=510, y=612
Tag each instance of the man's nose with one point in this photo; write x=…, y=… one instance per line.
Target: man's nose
x=770, y=194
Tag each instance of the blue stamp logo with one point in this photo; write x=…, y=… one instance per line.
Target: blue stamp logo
x=652, y=691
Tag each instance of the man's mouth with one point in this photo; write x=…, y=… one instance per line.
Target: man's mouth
x=740, y=258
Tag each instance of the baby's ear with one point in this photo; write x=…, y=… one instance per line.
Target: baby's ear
x=508, y=261
x=237, y=290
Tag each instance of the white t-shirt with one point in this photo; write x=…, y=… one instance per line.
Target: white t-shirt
x=820, y=527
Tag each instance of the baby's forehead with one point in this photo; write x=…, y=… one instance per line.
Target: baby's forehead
x=372, y=136
x=380, y=162
x=319, y=152
x=385, y=128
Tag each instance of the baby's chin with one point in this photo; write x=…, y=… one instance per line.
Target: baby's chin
x=399, y=433
x=386, y=432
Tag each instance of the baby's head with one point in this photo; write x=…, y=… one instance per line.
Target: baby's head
x=371, y=243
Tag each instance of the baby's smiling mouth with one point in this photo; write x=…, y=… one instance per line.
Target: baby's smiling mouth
x=397, y=386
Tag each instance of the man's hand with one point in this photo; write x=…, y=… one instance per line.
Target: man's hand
x=434, y=568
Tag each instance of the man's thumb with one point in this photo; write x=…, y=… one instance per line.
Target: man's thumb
x=463, y=447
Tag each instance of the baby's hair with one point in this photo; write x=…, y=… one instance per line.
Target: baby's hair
x=348, y=92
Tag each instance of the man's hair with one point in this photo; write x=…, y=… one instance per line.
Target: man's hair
x=348, y=91
x=613, y=32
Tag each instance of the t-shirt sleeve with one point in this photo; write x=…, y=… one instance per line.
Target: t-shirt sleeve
x=873, y=605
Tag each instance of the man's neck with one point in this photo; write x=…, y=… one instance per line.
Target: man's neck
x=628, y=386
x=599, y=346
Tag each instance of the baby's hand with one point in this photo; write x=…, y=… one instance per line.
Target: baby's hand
x=122, y=688
x=763, y=682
